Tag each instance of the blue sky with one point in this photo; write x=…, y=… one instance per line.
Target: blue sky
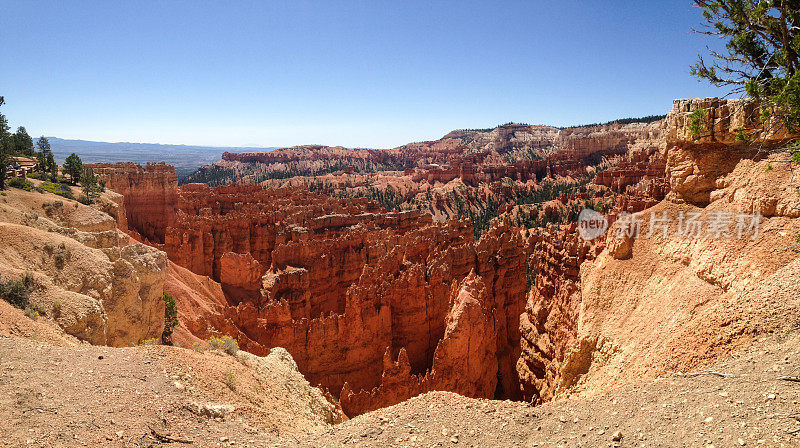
x=367, y=74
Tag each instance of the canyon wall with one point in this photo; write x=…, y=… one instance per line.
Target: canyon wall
x=516, y=151
x=619, y=308
x=149, y=193
x=380, y=306
x=340, y=284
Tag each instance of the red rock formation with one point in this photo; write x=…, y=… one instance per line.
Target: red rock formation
x=150, y=195
x=550, y=322
x=694, y=171
x=632, y=169
x=465, y=360
x=338, y=283
x=641, y=176
x=240, y=275
x=519, y=152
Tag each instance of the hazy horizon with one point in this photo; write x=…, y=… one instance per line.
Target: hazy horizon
x=370, y=75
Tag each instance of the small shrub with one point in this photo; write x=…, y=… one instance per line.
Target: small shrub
x=61, y=255
x=198, y=347
x=170, y=319
x=49, y=248
x=17, y=292
x=21, y=183
x=224, y=343
x=31, y=313
x=697, y=121
x=83, y=199
x=151, y=341
x=56, y=311
x=742, y=135
x=229, y=378
x=49, y=209
x=60, y=189
x=58, y=204
x=60, y=259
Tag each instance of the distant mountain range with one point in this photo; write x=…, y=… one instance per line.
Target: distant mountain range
x=186, y=159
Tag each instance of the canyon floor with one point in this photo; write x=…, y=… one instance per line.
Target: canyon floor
x=55, y=394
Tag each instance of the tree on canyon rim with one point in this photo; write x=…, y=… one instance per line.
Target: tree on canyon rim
x=170, y=319
x=5, y=156
x=73, y=166
x=762, y=39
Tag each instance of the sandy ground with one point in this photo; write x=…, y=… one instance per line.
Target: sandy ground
x=748, y=406
x=56, y=392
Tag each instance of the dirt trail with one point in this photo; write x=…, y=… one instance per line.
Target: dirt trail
x=749, y=406
x=84, y=395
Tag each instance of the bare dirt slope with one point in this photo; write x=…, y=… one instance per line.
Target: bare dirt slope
x=71, y=396
x=748, y=406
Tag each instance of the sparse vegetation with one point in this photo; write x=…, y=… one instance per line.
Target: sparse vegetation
x=61, y=256
x=56, y=310
x=170, y=319
x=646, y=119
x=17, y=292
x=61, y=189
x=697, y=122
x=52, y=209
x=530, y=276
x=31, y=313
x=229, y=378
x=225, y=343
x=21, y=183
x=742, y=135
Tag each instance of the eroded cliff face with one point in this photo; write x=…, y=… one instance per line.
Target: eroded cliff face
x=344, y=286
x=625, y=307
x=517, y=151
x=85, y=274
x=549, y=324
x=151, y=210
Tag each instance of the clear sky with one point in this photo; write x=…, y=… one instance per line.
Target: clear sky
x=368, y=74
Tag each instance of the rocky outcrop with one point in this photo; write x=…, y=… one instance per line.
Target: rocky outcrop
x=725, y=132
x=240, y=271
x=151, y=210
x=93, y=284
x=465, y=360
x=516, y=151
